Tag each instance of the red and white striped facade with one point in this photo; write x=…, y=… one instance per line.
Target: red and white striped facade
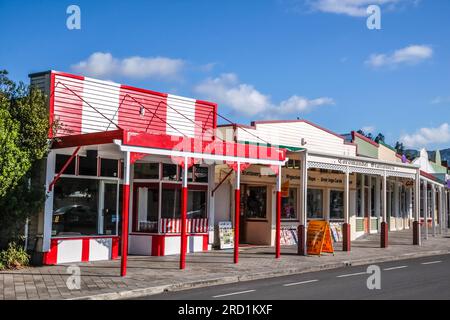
x=136, y=124
x=86, y=105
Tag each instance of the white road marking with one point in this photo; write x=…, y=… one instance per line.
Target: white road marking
x=432, y=262
x=395, y=268
x=351, y=274
x=233, y=293
x=298, y=283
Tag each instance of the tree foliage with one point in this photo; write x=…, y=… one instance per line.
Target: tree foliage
x=24, y=127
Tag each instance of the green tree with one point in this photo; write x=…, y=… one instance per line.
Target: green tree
x=399, y=147
x=379, y=138
x=24, y=127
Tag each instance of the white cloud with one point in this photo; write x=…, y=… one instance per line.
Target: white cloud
x=100, y=64
x=244, y=98
x=354, y=8
x=440, y=100
x=368, y=129
x=427, y=136
x=413, y=54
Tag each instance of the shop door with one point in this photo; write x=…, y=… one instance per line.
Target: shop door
x=108, y=208
x=366, y=212
x=146, y=207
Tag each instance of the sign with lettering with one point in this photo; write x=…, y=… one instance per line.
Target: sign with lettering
x=226, y=235
x=318, y=238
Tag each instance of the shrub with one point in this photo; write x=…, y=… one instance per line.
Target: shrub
x=15, y=257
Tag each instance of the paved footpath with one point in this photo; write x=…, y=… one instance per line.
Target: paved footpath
x=153, y=275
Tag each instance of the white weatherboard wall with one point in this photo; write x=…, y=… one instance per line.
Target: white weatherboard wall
x=291, y=134
x=104, y=97
x=182, y=121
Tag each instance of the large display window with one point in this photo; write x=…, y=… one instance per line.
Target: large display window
x=289, y=205
x=254, y=201
x=80, y=209
x=315, y=204
x=337, y=204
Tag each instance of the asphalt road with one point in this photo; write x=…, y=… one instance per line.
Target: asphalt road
x=424, y=278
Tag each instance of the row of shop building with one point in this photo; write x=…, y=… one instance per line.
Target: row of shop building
x=134, y=171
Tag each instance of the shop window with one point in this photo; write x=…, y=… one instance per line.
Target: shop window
x=336, y=204
x=108, y=168
x=170, y=205
x=315, y=204
x=254, y=202
x=61, y=160
x=289, y=205
x=110, y=215
x=201, y=174
x=189, y=174
x=169, y=172
x=293, y=164
x=146, y=170
x=147, y=209
x=87, y=166
x=75, y=204
x=196, y=204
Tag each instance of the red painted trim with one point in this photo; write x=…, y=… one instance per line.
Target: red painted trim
x=85, y=249
x=87, y=139
x=51, y=104
x=237, y=212
x=63, y=169
x=51, y=256
x=205, y=242
x=114, y=248
x=356, y=134
x=69, y=75
x=428, y=175
x=85, y=237
x=126, y=87
x=278, y=227
x=125, y=216
x=183, y=247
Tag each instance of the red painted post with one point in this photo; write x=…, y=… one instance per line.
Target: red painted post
x=184, y=195
x=237, y=212
x=125, y=214
x=416, y=233
x=301, y=240
x=384, y=235
x=184, y=198
x=346, y=235
x=278, y=230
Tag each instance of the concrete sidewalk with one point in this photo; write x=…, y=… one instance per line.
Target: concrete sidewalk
x=150, y=275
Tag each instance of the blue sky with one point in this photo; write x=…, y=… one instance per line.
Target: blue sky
x=283, y=59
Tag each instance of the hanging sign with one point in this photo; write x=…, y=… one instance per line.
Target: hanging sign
x=226, y=235
x=285, y=189
x=319, y=238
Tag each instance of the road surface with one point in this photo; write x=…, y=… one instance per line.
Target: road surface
x=424, y=278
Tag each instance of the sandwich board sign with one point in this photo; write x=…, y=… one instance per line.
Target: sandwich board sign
x=318, y=238
x=226, y=235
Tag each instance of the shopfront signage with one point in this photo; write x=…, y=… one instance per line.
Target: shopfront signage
x=319, y=238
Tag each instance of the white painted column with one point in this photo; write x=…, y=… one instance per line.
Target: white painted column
x=48, y=206
x=378, y=200
x=384, y=199
x=433, y=209
x=425, y=208
x=362, y=192
x=302, y=249
x=416, y=224
x=369, y=204
x=440, y=211
x=211, y=203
